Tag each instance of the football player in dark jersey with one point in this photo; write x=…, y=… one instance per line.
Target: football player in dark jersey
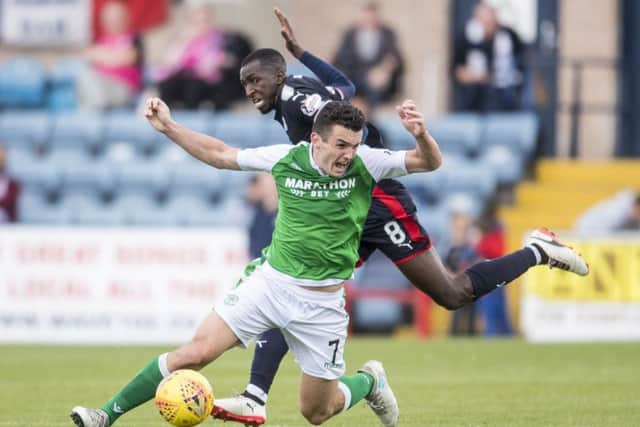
x=391, y=226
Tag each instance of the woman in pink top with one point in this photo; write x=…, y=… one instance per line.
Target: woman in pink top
x=114, y=77
x=191, y=78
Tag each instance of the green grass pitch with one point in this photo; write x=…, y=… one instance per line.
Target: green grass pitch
x=438, y=383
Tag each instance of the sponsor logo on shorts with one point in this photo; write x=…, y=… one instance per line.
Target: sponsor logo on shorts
x=331, y=365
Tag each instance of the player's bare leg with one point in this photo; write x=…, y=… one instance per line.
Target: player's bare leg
x=212, y=338
x=428, y=274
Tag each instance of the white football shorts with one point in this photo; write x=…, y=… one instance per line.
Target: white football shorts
x=313, y=323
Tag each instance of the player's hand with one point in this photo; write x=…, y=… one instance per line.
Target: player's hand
x=412, y=119
x=287, y=34
x=158, y=114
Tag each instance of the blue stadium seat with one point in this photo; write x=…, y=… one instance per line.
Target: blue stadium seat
x=242, y=130
x=378, y=312
x=81, y=130
x=128, y=203
x=199, y=121
x=22, y=83
x=424, y=187
x=61, y=99
x=101, y=215
x=96, y=177
x=157, y=216
x=135, y=173
x=463, y=202
x=120, y=152
x=435, y=219
x=30, y=202
x=235, y=211
x=131, y=127
x=469, y=176
x=380, y=273
x=67, y=71
x=194, y=177
x=273, y=133
x=33, y=208
x=76, y=204
x=34, y=172
x=507, y=165
x=25, y=128
x=517, y=131
x=143, y=176
x=394, y=134
x=457, y=133
x=237, y=182
x=190, y=209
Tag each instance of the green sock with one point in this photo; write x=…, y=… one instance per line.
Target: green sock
x=359, y=385
x=141, y=389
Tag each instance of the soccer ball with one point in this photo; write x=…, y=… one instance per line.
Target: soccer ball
x=184, y=398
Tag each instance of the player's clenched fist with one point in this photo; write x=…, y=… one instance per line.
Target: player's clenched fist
x=158, y=114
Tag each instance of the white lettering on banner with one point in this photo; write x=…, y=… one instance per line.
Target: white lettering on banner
x=45, y=22
x=84, y=285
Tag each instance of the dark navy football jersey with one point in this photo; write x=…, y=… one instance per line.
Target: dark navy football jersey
x=392, y=225
x=299, y=101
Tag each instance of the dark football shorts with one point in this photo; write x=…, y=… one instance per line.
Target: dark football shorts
x=392, y=226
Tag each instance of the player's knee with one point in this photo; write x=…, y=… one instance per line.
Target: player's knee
x=454, y=295
x=315, y=418
x=453, y=301
x=314, y=414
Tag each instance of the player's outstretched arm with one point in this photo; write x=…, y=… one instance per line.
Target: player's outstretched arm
x=426, y=156
x=203, y=147
x=328, y=74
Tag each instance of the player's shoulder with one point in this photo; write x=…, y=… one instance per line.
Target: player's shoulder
x=296, y=84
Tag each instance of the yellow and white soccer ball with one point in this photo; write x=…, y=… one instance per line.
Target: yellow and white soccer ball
x=184, y=398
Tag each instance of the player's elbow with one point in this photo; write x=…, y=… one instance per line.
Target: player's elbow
x=433, y=163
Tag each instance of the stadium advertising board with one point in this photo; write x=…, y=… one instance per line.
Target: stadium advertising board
x=46, y=22
x=77, y=285
x=604, y=306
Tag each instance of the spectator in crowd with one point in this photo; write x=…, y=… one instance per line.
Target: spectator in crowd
x=490, y=245
x=632, y=222
x=459, y=257
x=369, y=55
x=619, y=213
x=9, y=191
x=202, y=68
x=263, y=195
x=488, y=64
x=114, y=75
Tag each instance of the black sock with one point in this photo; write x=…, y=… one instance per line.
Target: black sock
x=270, y=350
x=489, y=275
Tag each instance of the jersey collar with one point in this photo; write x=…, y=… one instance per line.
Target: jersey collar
x=313, y=162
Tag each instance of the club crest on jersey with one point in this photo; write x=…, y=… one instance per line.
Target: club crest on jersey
x=287, y=93
x=311, y=104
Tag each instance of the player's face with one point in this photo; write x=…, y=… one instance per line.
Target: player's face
x=335, y=153
x=261, y=85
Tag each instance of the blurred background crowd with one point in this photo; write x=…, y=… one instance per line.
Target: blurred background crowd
x=534, y=104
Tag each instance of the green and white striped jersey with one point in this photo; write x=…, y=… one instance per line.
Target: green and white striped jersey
x=320, y=218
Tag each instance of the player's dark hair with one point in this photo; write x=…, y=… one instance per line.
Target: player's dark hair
x=338, y=113
x=268, y=58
